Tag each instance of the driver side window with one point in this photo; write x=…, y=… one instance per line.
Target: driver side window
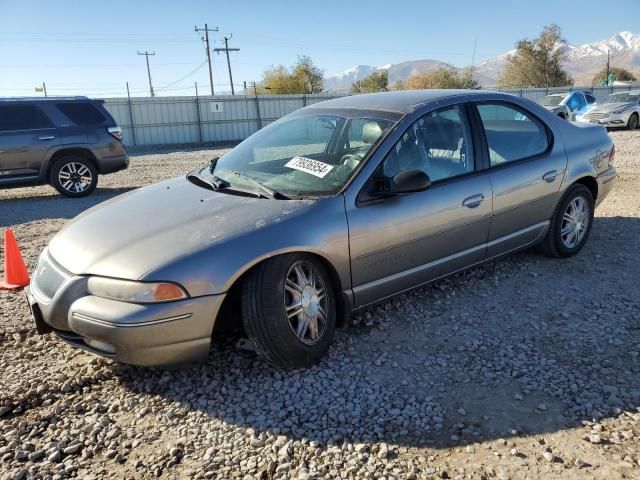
x=438, y=143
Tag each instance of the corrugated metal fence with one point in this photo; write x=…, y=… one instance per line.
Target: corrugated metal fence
x=226, y=118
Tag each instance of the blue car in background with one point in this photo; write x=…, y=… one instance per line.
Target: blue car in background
x=567, y=105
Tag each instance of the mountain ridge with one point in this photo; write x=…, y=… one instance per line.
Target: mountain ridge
x=583, y=62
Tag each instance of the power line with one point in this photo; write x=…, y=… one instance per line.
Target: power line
x=184, y=77
x=226, y=49
x=206, y=40
x=146, y=54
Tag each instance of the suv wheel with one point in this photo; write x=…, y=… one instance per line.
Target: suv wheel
x=289, y=310
x=571, y=223
x=74, y=176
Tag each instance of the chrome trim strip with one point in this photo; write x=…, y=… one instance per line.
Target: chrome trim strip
x=425, y=237
x=446, y=259
x=106, y=323
x=517, y=234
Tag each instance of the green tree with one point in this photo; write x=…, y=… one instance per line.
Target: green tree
x=302, y=77
x=374, y=82
x=539, y=62
x=619, y=74
x=444, y=77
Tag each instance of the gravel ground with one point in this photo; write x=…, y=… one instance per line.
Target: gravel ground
x=524, y=368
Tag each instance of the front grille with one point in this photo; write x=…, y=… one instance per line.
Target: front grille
x=596, y=116
x=49, y=277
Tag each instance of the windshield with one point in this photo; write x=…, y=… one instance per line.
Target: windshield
x=551, y=100
x=300, y=156
x=621, y=98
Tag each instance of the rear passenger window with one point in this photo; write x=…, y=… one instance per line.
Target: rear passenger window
x=22, y=117
x=512, y=134
x=82, y=113
x=438, y=143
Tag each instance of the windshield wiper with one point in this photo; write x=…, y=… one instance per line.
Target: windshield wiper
x=271, y=193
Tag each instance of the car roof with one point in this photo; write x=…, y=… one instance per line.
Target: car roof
x=41, y=99
x=401, y=101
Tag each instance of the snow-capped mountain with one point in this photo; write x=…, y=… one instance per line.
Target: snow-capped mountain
x=584, y=61
x=400, y=71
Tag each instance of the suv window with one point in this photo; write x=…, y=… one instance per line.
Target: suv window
x=439, y=144
x=512, y=133
x=81, y=113
x=22, y=117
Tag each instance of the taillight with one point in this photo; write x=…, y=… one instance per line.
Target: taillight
x=115, y=132
x=612, y=155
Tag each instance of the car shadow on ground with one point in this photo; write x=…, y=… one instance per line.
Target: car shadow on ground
x=18, y=210
x=526, y=345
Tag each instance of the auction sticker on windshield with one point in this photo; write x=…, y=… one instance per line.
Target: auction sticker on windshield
x=313, y=167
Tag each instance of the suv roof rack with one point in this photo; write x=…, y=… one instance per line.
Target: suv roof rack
x=41, y=99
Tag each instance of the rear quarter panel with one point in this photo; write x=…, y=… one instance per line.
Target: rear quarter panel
x=588, y=147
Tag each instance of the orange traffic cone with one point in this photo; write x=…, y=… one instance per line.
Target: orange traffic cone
x=15, y=272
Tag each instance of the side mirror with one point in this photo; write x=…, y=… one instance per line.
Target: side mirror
x=409, y=181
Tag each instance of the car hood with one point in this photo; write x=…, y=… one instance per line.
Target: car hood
x=135, y=233
x=610, y=107
x=555, y=108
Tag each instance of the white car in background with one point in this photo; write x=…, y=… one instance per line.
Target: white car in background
x=617, y=110
x=567, y=104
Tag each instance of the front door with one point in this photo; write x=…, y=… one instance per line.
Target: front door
x=26, y=134
x=399, y=242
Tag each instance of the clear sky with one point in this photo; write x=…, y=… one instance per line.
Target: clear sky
x=89, y=46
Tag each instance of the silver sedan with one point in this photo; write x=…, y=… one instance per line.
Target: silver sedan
x=617, y=110
x=325, y=212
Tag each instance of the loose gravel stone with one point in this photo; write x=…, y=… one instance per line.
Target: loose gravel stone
x=430, y=384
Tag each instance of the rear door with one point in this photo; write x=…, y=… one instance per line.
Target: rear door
x=399, y=242
x=26, y=134
x=526, y=168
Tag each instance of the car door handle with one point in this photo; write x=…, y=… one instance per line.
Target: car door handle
x=46, y=137
x=550, y=176
x=473, y=201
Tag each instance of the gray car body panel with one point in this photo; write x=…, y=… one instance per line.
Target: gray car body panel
x=206, y=240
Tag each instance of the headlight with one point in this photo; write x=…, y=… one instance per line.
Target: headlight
x=135, y=292
x=620, y=111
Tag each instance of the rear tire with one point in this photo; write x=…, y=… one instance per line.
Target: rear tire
x=571, y=223
x=289, y=310
x=632, y=124
x=74, y=176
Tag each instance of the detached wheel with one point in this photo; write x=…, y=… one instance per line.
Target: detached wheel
x=74, y=176
x=289, y=310
x=571, y=223
x=632, y=124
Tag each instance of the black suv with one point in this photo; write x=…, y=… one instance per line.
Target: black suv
x=65, y=142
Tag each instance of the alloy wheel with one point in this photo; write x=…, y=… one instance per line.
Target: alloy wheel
x=305, y=302
x=633, y=122
x=575, y=221
x=75, y=177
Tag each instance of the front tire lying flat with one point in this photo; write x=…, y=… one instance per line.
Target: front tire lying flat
x=289, y=310
x=571, y=223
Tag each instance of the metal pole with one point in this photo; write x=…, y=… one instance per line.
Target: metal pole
x=206, y=36
x=226, y=47
x=44, y=88
x=146, y=54
x=131, y=120
x=198, y=114
x=255, y=92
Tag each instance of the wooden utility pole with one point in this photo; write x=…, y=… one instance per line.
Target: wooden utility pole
x=226, y=49
x=206, y=31
x=146, y=54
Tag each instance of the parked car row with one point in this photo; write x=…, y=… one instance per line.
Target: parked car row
x=65, y=142
x=618, y=110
